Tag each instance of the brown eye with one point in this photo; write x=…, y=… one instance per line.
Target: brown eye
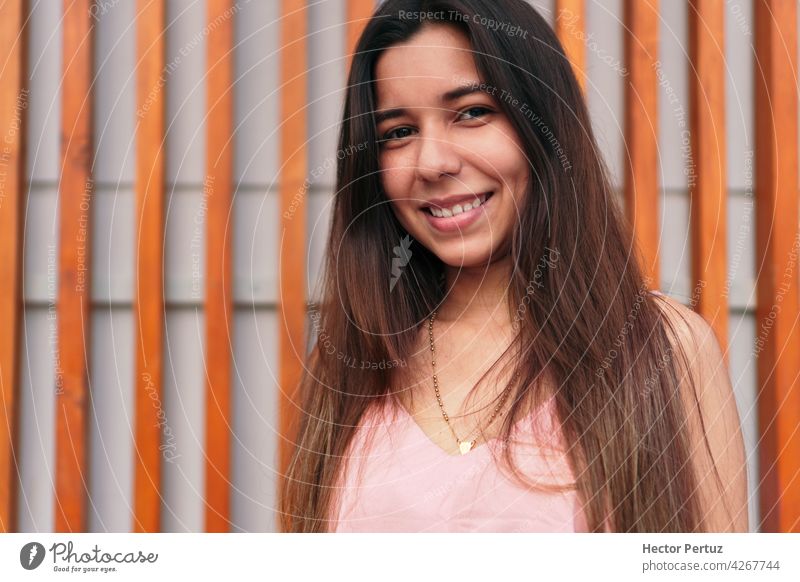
x=481, y=112
x=390, y=135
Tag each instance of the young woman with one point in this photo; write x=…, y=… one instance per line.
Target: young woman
x=489, y=356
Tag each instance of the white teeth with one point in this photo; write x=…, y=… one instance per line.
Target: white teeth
x=458, y=208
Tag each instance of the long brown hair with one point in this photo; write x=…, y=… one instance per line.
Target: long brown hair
x=590, y=323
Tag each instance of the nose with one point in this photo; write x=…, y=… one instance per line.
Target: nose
x=436, y=157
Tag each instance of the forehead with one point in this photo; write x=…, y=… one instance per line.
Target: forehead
x=436, y=59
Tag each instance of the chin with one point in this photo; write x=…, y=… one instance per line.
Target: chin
x=465, y=258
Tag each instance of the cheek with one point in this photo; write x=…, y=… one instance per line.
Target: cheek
x=502, y=145
x=396, y=186
x=512, y=170
x=507, y=158
x=397, y=181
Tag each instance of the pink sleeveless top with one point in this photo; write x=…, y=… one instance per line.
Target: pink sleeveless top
x=397, y=480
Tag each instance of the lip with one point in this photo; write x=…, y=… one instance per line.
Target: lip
x=460, y=221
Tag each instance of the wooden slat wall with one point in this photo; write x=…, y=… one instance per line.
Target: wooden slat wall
x=218, y=192
x=570, y=27
x=708, y=177
x=74, y=284
x=148, y=305
x=292, y=236
x=777, y=263
x=641, y=129
x=13, y=107
x=358, y=13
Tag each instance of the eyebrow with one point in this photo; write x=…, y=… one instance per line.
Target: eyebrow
x=448, y=97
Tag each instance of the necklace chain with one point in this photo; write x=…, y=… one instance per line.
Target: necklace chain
x=466, y=445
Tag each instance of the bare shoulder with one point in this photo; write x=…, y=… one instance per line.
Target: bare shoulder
x=695, y=337
x=682, y=320
x=714, y=428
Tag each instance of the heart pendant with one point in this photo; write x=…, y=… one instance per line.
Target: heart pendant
x=465, y=446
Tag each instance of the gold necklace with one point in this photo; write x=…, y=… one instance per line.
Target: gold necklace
x=466, y=445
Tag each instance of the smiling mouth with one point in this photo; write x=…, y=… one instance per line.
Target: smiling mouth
x=461, y=208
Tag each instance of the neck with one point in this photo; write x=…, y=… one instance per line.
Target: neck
x=477, y=295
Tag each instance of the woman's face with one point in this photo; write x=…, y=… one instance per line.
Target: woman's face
x=439, y=153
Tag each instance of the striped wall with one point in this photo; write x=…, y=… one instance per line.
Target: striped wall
x=156, y=260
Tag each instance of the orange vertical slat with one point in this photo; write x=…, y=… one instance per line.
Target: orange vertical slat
x=292, y=236
x=707, y=175
x=777, y=263
x=358, y=13
x=148, y=305
x=641, y=129
x=218, y=193
x=13, y=106
x=74, y=284
x=571, y=30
